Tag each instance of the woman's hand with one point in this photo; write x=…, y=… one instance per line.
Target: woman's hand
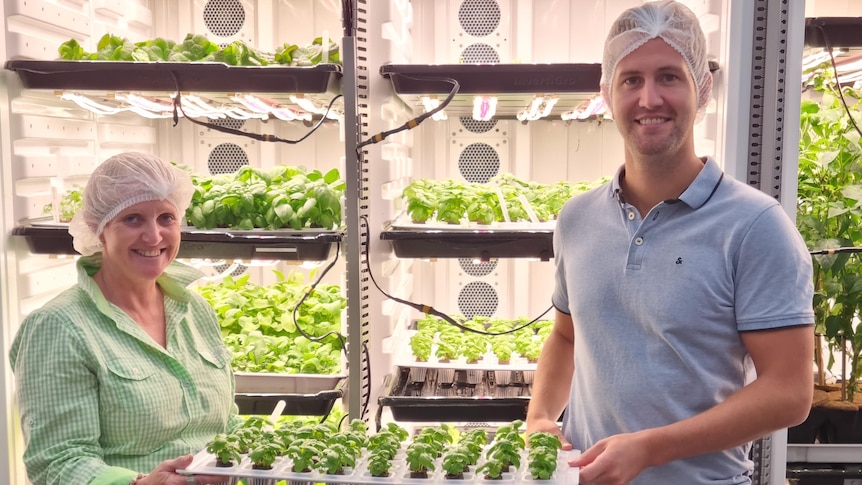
x=166, y=474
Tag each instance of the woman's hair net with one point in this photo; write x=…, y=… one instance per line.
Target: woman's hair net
x=670, y=21
x=120, y=182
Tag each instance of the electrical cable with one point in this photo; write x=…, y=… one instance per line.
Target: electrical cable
x=347, y=12
x=837, y=82
x=836, y=251
x=178, y=108
x=413, y=123
x=310, y=289
x=365, y=401
x=428, y=310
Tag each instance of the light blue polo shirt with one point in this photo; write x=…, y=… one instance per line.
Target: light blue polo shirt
x=658, y=303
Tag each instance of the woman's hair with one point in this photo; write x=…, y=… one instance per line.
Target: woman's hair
x=120, y=182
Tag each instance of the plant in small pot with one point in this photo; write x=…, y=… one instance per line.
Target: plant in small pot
x=829, y=216
x=224, y=450
x=420, y=345
x=263, y=456
x=379, y=464
x=334, y=459
x=542, y=462
x=421, y=199
x=492, y=469
x=244, y=438
x=303, y=454
x=420, y=459
x=455, y=463
x=436, y=436
x=384, y=443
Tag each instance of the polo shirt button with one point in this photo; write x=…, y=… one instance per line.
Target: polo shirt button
x=639, y=241
x=631, y=215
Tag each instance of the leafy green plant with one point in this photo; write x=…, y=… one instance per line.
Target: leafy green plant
x=258, y=326
x=420, y=458
x=542, y=462
x=225, y=451
x=455, y=463
x=421, y=343
x=263, y=454
x=829, y=215
x=492, y=468
x=70, y=203
x=334, y=458
x=379, y=464
x=302, y=454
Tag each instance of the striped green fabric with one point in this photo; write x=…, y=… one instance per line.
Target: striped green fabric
x=97, y=395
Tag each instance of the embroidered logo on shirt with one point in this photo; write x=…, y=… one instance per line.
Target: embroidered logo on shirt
x=678, y=260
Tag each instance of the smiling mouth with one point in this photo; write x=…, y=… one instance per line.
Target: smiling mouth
x=652, y=121
x=149, y=254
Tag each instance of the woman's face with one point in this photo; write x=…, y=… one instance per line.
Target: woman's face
x=142, y=240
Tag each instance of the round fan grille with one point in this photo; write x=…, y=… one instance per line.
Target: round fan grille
x=224, y=18
x=477, y=298
x=477, y=270
x=226, y=158
x=476, y=126
x=479, y=17
x=480, y=54
x=478, y=162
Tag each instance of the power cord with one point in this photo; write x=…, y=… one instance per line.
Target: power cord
x=429, y=310
x=413, y=123
x=311, y=289
x=178, y=109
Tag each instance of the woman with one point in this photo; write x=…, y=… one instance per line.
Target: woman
x=123, y=376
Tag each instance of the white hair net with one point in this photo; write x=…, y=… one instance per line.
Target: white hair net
x=120, y=182
x=670, y=21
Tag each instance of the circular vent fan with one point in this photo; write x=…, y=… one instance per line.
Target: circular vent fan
x=477, y=270
x=477, y=298
x=479, y=17
x=480, y=54
x=476, y=126
x=226, y=158
x=478, y=162
x=224, y=18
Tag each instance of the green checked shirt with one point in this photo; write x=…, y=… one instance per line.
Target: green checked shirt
x=101, y=401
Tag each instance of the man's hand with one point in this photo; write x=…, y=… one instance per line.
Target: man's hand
x=614, y=461
x=547, y=426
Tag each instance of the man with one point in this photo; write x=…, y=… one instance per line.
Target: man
x=683, y=297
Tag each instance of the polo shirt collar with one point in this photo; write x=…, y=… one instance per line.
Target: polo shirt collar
x=696, y=195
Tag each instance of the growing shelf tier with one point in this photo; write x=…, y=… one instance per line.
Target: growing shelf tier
x=430, y=394
x=482, y=245
x=303, y=394
x=514, y=85
x=211, y=77
x=288, y=245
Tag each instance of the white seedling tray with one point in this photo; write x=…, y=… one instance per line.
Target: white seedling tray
x=399, y=474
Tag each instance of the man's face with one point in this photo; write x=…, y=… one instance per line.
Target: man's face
x=654, y=101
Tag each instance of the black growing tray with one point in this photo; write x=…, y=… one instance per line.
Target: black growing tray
x=434, y=399
x=312, y=404
x=478, y=244
x=214, y=244
x=167, y=76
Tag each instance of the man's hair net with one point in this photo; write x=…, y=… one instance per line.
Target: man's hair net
x=120, y=182
x=670, y=21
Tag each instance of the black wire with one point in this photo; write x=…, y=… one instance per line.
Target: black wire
x=308, y=292
x=347, y=12
x=365, y=402
x=836, y=251
x=428, y=310
x=413, y=123
x=837, y=82
x=178, y=108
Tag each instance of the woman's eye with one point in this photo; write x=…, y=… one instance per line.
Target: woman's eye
x=131, y=219
x=167, y=218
